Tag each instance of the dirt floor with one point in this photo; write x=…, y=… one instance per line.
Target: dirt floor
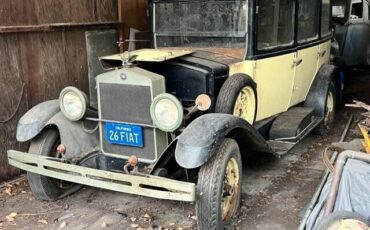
x=275, y=192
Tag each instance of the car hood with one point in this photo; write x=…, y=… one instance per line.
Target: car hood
x=143, y=55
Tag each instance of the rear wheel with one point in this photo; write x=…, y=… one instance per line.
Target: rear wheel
x=329, y=115
x=238, y=97
x=43, y=187
x=219, y=188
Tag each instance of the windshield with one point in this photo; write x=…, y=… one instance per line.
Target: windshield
x=201, y=25
x=339, y=8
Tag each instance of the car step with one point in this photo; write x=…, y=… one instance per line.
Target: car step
x=291, y=127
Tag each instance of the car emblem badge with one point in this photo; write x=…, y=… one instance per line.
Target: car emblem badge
x=123, y=76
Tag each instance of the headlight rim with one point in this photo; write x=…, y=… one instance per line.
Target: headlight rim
x=180, y=111
x=83, y=99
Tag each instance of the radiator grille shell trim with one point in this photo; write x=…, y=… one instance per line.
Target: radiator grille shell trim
x=136, y=91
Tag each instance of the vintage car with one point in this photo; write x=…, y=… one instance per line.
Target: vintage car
x=352, y=32
x=224, y=79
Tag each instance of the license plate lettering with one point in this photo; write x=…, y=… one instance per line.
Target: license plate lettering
x=123, y=134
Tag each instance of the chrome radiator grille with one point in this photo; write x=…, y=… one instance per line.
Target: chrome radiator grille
x=128, y=104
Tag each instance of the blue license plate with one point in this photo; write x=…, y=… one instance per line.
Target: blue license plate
x=124, y=134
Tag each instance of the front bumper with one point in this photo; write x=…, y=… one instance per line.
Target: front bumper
x=148, y=185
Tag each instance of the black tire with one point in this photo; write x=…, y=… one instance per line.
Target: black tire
x=210, y=189
x=230, y=91
x=327, y=221
x=326, y=125
x=43, y=187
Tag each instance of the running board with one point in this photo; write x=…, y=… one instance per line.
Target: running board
x=282, y=146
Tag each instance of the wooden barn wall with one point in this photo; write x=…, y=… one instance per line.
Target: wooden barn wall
x=35, y=66
x=134, y=15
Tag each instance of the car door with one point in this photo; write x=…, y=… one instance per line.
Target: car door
x=273, y=68
x=306, y=57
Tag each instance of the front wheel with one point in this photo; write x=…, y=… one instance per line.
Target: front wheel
x=238, y=97
x=219, y=188
x=43, y=187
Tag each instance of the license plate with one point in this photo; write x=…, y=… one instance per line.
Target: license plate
x=124, y=134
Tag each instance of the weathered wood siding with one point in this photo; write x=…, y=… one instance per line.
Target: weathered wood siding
x=35, y=66
x=134, y=15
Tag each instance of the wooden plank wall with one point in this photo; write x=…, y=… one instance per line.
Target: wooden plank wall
x=134, y=15
x=35, y=66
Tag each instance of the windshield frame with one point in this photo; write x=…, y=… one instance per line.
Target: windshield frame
x=245, y=35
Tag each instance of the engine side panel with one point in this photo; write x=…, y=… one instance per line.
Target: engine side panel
x=194, y=74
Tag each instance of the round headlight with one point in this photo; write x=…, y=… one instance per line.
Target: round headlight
x=167, y=112
x=73, y=103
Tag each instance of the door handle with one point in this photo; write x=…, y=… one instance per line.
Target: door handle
x=297, y=62
x=322, y=54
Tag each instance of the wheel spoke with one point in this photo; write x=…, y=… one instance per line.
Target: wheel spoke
x=230, y=186
x=245, y=104
x=329, y=109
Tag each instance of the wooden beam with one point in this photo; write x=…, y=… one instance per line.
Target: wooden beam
x=120, y=26
x=57, y=26
x=133, y=15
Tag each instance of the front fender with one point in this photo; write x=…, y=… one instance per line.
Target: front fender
x=32, y=122
x=74, y=136
x=200, y=140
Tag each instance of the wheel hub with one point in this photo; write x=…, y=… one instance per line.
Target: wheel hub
x=329, y=109
x=229, y=190
x=245, y=104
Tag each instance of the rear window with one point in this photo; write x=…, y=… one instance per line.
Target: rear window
x=339, y=8
x=357, y=10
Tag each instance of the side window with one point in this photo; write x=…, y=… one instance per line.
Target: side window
x=307, y=20
x=275, y=23
x=357, y=10
x=325, y=17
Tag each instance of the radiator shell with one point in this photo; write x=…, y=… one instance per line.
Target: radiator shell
x=124, y=96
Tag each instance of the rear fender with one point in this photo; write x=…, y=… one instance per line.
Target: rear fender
x=201, y=139
x=317, y=95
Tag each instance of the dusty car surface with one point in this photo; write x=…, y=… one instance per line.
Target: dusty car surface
x=224, y=79
x=352, y=31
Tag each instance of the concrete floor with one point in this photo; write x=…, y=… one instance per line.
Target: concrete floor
x=275, y=193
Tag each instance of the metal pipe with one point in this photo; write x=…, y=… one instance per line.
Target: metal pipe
x=339, y=165
x=316, y=196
